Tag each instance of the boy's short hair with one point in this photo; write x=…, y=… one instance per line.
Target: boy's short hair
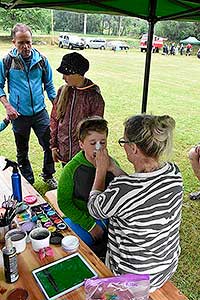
x=94, y=123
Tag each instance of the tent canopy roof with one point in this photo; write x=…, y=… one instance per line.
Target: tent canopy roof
x=165, y=9
x=190, y=40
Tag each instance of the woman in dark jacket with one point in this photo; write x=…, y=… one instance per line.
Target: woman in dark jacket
x=79, y=98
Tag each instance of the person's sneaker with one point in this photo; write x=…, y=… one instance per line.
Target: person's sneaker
x=30, y=179
x=52, y=183
x=27, y=173
x=195, y=196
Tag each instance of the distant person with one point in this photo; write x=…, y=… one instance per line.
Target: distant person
x=198, y=53
x=181, y=49
x=165, y=49
x=172, y=49
x=28, y=73
x=4, y=124
x=194, y=156
x=76, y=182
x=188, y=50
x=144, y=208
x=79, y=98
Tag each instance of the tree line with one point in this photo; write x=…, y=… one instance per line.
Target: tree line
x=40, y=20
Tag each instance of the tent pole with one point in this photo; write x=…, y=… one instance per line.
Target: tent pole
x=148, y=55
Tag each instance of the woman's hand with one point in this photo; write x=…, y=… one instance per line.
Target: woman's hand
x=55, y=154
x=102, y=160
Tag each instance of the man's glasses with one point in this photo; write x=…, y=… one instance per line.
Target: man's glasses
x=122, y=142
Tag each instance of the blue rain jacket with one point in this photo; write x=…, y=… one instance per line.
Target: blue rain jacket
x=26, y=87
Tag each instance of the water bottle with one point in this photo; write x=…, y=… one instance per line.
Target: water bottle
x=16, y=180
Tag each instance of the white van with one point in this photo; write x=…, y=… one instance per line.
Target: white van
x=95, y=43
x=70, y=41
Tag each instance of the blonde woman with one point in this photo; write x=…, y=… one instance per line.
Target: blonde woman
x=79, y=98
x=144, y=208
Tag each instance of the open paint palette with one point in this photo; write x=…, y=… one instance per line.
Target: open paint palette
x=43, y=215
x=63, y=275
x=48, y=217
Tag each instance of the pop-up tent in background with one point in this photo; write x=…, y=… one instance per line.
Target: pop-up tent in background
x=190, y=40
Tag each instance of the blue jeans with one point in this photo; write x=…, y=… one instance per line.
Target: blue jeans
x=40, y=124
x=84, y=234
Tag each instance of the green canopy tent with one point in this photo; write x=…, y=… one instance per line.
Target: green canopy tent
x=190, y=40
x=150, y=10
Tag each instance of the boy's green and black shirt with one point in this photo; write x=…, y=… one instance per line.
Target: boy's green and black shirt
x=74, y=187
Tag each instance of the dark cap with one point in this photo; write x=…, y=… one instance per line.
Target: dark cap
x=73, y=63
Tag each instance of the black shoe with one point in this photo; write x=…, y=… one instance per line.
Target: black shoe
x=195, y=196
x=51, y=181
x=27, y=173
x=30, y=179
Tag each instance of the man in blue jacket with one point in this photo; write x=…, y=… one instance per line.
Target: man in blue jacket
x=26, y=71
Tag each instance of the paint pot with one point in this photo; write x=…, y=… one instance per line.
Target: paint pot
x=40, y=238
x=70, y=243
x=18, y=238
x=18, y=294
x=61, y=226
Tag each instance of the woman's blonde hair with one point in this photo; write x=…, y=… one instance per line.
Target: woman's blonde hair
x=152, y=134
x=62, y=102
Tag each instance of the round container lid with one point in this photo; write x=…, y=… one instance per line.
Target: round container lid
x=30, y=199
x=56, y=238
x=70, y=243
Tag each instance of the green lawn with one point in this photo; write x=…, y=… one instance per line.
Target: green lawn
x=174, y=90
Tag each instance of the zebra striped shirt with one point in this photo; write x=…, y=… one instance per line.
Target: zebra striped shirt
x=144, y=211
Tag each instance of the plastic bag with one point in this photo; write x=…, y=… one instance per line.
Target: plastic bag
x=123, y=287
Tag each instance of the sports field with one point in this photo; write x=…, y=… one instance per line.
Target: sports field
x=174, y=90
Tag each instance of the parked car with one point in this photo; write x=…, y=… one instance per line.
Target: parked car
x=70, y=41
x=95, y=43
x=117, y=45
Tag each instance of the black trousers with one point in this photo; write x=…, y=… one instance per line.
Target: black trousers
x=40, y=124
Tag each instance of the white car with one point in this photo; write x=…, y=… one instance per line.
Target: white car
x=95, y=43
x=70, y=41
x=117, y=45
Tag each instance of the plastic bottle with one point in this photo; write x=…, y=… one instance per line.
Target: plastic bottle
x=10, y=262
x=16, y=180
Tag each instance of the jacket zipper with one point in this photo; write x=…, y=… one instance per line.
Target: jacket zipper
x=70, y=125
x=30, y=90
x=17, y=103
x=27, y=73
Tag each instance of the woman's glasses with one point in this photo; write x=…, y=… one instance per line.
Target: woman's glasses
x=122, y=142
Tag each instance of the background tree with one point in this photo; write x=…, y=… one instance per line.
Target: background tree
x=37, y=19
x=68, y=21
x=40, y=19
x=175, y=31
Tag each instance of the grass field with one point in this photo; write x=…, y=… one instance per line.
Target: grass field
x=174, y=90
